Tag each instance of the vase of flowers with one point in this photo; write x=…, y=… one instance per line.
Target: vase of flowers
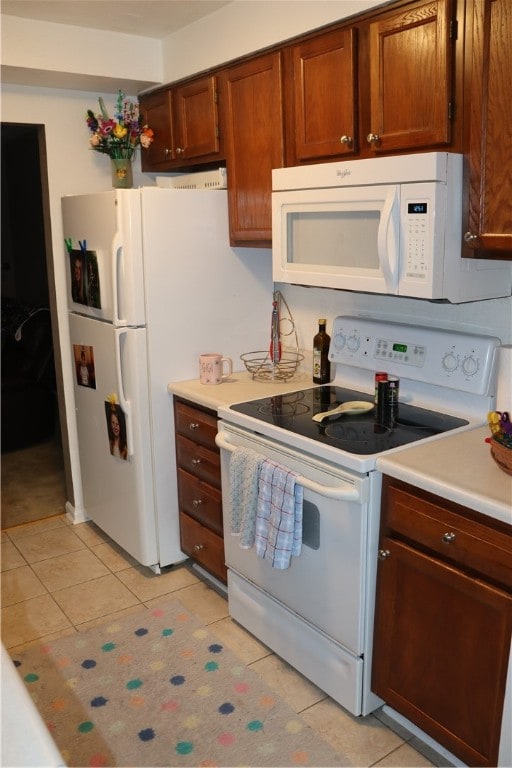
x=118, y=137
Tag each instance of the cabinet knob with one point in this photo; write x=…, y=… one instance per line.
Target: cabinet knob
x=346, y=139
x=180, y=151
x=196, y=502
x=193, y=425
x=384, y=554
x=195, y=462
x=167, y=152
x=448, y=537
x=372, y=138
x=470, y=237
x=198, y=547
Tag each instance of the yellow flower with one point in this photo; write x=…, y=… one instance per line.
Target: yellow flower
x=119, y=131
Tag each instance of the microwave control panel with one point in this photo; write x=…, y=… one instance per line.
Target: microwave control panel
x=452, y=359
x=417, y=236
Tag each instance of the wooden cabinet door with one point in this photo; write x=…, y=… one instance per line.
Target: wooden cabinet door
x=411, y=63
x=488, y=228
x=196, y=124
x=441, y=646
x=324, y=96
x=156, y=110
x=252, y=100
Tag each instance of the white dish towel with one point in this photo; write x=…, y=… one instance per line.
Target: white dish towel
x=244, y=468
x=279, y=515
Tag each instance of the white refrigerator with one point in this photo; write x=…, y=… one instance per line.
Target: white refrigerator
x=152, y=284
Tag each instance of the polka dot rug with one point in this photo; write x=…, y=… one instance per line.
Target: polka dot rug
x=158, y=689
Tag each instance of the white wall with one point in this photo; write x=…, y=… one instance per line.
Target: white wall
x=248, y=25
x=72, y=168
x=63, y=56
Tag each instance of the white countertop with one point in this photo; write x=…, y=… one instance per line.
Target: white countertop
x=239, y=388
x=456, y=467
x=459, y=468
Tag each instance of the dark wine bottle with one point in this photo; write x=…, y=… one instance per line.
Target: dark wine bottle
x=321, y=364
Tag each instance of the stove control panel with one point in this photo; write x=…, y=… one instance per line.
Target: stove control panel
x=447, y=358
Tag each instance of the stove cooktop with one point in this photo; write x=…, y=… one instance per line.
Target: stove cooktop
x=359, y=434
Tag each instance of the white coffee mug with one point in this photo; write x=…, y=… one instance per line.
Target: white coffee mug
x=213, y=368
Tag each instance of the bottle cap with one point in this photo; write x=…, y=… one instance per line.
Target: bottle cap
x=322, y=321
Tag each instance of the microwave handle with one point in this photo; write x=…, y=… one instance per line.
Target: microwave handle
x=388, y=238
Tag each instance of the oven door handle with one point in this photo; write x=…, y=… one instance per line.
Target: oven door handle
x=343, y=493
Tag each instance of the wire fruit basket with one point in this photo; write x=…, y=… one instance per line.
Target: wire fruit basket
x=261, y=365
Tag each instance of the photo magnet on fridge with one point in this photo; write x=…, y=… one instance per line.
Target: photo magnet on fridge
x=84, y=365
x=85, y=277
x=116, y=428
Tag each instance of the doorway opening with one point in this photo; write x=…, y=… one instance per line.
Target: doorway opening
x=34, y=446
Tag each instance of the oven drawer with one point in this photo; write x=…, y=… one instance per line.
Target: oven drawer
x=198, y=460
x=447, y=531
x=199, y=426
x=200, y=500
x=204, y=546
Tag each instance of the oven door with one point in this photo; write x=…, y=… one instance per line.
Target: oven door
x=326, y=583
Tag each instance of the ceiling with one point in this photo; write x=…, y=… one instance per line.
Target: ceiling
x=147, y=18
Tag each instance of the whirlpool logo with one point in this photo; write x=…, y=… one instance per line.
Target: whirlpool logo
x=342, y=172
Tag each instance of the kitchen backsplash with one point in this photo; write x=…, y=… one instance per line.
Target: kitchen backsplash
x=492, y=317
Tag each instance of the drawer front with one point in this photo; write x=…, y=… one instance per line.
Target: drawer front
x=461, y=540
x=198, y=460
x=203, y=546
x=196, y=425
x=200, y=500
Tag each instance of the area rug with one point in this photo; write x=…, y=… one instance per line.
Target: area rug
x=158, y=689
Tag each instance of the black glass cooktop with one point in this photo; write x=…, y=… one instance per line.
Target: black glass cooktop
x=362, y=434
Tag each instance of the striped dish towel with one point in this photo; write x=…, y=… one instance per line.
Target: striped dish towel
x=279, y=515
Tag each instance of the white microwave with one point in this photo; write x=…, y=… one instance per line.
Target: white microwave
x=389, y=225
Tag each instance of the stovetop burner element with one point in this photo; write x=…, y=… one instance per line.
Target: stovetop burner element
x=359, y=434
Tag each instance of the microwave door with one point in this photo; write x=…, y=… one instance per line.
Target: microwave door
x=343, y=238
x=388, y=239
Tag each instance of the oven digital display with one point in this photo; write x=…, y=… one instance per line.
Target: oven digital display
x=417, y=207
x=400, y=348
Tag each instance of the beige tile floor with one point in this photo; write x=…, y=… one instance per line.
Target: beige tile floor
x=59, y=578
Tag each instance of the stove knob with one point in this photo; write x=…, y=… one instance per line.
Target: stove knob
x=339, y=341
x=450, y=362
x=470, y=365
x=353, y=343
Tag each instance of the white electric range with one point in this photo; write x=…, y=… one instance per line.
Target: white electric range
x=318, y=614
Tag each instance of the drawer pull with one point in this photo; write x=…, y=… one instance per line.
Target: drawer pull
x=197, y=502
x=384, y=554
x=448, y=537
x=195, y=462
x=198, y=547
x=193, y=425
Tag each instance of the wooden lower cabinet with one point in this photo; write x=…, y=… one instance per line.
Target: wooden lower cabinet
x=443, y=621
x=199, y=487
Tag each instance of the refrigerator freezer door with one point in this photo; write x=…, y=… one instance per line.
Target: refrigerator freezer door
x=111, y=397
x=105, y=275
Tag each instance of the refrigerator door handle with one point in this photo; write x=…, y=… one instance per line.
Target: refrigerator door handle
x=123, y=402
x=117, y=250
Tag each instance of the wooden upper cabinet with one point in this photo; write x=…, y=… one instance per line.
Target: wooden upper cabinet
x=252, y=104
x=185, y=122
x=156, y=112
x=195, y=119
x=411, y=72
x=488, y=112
x=324, y=112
